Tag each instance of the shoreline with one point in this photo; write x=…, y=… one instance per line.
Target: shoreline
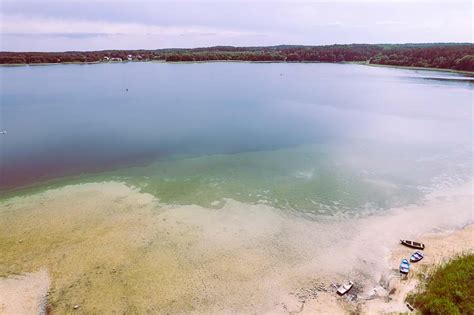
x=439, y=250
x=468, y=73
x=389, y=295
x=99, y=227
x=29, y=292
x=365, y=63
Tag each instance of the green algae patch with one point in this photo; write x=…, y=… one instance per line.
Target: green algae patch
x=316, y=179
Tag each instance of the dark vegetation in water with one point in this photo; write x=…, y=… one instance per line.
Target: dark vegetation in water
x=449, y=290
x=456, y=56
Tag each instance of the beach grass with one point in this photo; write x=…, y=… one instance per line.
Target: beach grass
x=449, y=289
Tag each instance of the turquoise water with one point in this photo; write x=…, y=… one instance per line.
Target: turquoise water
x=323, y=138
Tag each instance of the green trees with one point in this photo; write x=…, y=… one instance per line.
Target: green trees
x=465, y=63
x=293, y=57
x=450, y=289
x=447, y=56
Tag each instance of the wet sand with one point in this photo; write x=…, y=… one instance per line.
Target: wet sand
x=24, y=294
x=110, y=248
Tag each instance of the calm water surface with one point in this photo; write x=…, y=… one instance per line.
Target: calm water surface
x=323, y=138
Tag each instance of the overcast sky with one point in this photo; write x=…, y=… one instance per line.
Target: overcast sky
x=58, y=25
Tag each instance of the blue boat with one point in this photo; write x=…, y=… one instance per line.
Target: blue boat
x=417, y=256
x=404, y=266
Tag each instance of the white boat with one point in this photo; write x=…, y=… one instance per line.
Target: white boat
x=3, y=132
x=417, y=256
x=343, y=289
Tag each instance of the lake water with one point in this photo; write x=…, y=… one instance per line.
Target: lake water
x=338, y=139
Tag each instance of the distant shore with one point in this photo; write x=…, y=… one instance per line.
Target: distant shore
x=468, y=73
x=433, y=56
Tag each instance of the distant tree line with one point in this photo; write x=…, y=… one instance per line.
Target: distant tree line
x=446, y=56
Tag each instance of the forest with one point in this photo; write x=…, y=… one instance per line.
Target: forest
x=456, y=56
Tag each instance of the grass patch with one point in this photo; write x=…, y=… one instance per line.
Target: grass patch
x=449, y=289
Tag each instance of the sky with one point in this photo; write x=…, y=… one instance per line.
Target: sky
x=62, y=25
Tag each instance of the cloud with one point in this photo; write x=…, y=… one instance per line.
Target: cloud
x=389, y=23
x=104, y=24
x=42, y=26
x=56, y=35
x=329, y=24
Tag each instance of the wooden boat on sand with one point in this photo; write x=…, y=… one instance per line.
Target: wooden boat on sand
x=412, y=244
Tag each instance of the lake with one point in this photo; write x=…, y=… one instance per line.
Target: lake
x=337, y=139
x=212, y=188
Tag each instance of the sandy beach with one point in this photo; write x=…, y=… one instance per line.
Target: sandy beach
x=440, y=248
x=24, y=294
x=107, y=247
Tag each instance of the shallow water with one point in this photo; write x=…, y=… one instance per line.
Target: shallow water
x=113, y=249
x=321, y=138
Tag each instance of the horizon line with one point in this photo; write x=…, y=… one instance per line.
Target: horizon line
x=232, y=46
